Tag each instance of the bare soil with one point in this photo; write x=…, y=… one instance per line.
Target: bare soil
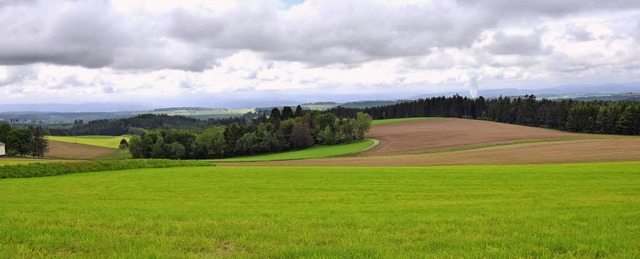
x=59, y=149
x=441, y=134
x=558, y=152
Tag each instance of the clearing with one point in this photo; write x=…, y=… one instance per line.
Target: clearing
x=93, y=140
x=586, y=210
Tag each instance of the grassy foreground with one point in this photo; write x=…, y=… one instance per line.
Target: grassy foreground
x=313, y=152
x=589, y=210
x=96, y=140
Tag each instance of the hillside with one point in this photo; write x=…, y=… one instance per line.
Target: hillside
x=471, y=142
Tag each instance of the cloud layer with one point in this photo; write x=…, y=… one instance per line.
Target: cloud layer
x=109, y=50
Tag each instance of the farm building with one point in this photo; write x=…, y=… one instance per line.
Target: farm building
x=2, y=151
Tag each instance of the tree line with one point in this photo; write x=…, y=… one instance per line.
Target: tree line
x=24, y=142
x=604, y=117
x=135, y=125
x=281, y=131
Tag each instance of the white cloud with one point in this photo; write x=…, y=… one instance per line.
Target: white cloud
x=113, y=50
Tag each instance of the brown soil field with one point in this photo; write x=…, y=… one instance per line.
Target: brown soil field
x=441, y=134
x=556, y=152
x=59, y=149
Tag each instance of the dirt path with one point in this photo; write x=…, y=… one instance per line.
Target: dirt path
x=450, y=133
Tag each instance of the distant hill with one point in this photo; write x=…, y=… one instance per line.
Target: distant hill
x=366, y=104
x=70, y=117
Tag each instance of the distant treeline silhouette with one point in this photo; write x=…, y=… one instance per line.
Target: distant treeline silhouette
x=622, y=117
x=137, y=125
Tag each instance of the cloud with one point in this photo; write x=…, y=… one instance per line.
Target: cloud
x=513, y=44
x=125, y=48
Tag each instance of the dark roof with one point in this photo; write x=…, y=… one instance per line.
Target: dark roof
x=1, y=144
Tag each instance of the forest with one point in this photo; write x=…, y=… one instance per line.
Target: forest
x=24, y=142
x=281, y=131
x=136, y=125
x=604, y=117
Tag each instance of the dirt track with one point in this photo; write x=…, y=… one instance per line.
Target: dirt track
x=441, y=134
x=60, y=149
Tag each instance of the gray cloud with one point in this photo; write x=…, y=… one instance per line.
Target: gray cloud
x=548, y=7
x=525, y=45
x=578, y=33
x=90, y=33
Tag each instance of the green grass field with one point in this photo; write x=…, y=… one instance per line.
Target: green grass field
x=313, y=152
x=97, y=140
x=389, y=121
x=584, y=211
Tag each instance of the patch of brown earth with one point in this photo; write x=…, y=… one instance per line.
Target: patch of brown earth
x=441, y=134
x=61, y=149
x=557, y=152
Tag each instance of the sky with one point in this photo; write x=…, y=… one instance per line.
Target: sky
x=247, y=53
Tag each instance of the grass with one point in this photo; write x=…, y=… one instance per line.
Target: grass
x=313, y=152
x=97, y=140
x=389, y=121
x=118, y=154
x=583, y=211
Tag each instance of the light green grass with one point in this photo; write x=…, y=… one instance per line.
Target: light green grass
x=582, y=211
x=101, y=141
x=389, y=121
x=313, y=152
x=118, y=154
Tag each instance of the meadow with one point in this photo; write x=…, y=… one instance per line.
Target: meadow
x=575, y=210
x=312, y=152
x=94, y=140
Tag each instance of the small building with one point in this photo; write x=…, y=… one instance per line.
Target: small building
x=2, y=151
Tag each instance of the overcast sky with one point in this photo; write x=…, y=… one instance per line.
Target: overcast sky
x=196, y=52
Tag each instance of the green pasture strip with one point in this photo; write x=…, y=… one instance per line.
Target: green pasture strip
x=101, y=141
x=95, y=137
x=389, y=121
x=53, y=169
x=118, y=154
x=313, y=152
x=533, y=211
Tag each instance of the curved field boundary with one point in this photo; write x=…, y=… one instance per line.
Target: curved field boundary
x=313, y=152
x=549, y=152
x=424, y=136
x=96, y=140
x=60, y=149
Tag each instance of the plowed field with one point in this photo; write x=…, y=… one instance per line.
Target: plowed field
x=558, y=152
x=441, y=134
x=441, y=137
x=60, y=149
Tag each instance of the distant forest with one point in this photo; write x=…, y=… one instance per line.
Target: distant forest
x=136, y=125
x=282, y=131
x=605, y=117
